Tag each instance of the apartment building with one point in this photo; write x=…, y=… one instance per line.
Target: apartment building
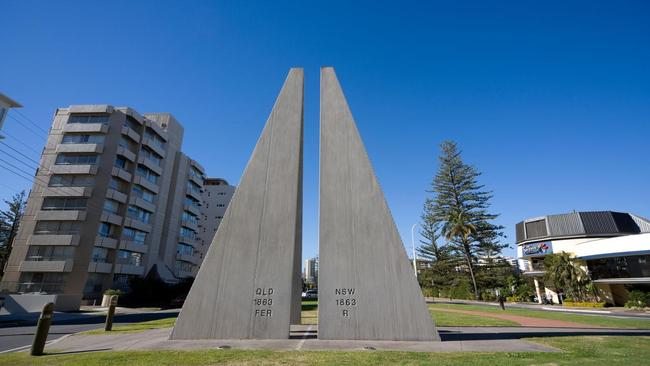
x=114, y=198
x=216, y=196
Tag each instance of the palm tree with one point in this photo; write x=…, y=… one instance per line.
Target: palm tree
x=459, y=228
x=566, y=274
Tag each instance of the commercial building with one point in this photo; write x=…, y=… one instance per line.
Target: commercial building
x=5, y=104
x=216, y=196
x=310, y=273
x=114, y=197
x=614, y=247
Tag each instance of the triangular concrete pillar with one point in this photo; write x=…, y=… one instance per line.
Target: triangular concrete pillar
x=367, y=290
x=248, y=286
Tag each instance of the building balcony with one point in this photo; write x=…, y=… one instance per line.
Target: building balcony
x=157, y=129
x=116, y=195
x=193, y=209
x=184, y=274
x=67, y=191
x=133, y=246
x=129, y=269
x=121, y=173
x=153, y=146
x=194, y=194
x=150, y=164
x=99, y=267
x=190, y=225
x=139, y=202
x=61, y=215
x=46, y=265
x=187, y=240
x=194, y=258
x=80, y=148
x=86, y=127
x=129, y=155
x=74, y=169
x=33, y=287
x=53, y=240
x=111, y=218
x=195, y=179
x=129, y=132
x=104, y=242
x=137, y=224
x=198, y=166
x=146, y=184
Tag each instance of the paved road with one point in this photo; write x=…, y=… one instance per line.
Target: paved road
x=550, y=308
x=19, y=335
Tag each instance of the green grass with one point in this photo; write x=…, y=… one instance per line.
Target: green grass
x=611, y=351
x=449, y=319
x=136, y=327
x=603, y=321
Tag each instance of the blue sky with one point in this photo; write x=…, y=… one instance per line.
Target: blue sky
x=551, y=101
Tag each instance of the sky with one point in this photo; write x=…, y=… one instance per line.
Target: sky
x=550, y=100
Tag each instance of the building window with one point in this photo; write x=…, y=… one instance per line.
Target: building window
x=187, y=233
x=112, y=206
x=71, y=181
x=118, y=185
x=121, y=163
x=139, y=214
x=186, y=216
x=134, y=235
x=82, y=139
x=184, y=249
x=83, y=159
x=64, y=203
x=132, y=123
x=106, y=230
x=129, y=258
x=182, y=266
x=99, y=255
x=88, y=118
x=143, y=193
x=57, y=228
x=150, y=155
x=147, y=174
x=49, y=253
x=154, y=138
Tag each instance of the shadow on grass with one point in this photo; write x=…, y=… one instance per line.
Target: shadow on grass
x=450, y=335
x=75, y=352
x=309, y=306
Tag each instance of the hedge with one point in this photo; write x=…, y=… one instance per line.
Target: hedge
x=583, y=304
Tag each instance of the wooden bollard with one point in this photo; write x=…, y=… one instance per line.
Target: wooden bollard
x=111, y=312
x=42, y=329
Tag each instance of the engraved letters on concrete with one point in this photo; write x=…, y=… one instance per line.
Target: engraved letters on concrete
x=367, y=290
x=248, y=286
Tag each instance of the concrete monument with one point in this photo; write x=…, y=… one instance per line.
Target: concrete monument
x=248, y=286
x=367, y=290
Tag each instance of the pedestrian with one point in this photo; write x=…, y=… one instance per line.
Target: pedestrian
x=501, y=302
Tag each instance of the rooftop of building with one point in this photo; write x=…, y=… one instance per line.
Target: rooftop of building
x=215, y=182
x=9, y=102
x=580, y=225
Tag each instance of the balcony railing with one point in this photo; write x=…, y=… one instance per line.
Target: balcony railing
x=32, y=287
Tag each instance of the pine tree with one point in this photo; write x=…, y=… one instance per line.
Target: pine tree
x=459, y=212
x=9, y=222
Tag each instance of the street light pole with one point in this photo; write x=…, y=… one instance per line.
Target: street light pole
x=415, y=263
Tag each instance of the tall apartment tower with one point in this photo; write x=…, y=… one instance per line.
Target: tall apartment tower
x=114, y=197
x=216, y=197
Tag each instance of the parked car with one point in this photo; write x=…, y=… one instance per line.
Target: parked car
x=310, y=294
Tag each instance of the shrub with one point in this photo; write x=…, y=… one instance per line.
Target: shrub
x=111, y=292
x=638, y=300
x=583, y=304
x=511, y=299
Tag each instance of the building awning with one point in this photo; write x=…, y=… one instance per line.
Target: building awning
x=623, y=281
x=636, y=244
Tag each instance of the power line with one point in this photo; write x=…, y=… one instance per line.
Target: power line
x=18, y=152
x=39, y=134
x=18, y=160
x=30, y=121
x=22, y=143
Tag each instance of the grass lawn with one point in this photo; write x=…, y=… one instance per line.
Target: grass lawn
x=609, y=351
x=604, y=321
x=447, y=319
x=309, y=313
